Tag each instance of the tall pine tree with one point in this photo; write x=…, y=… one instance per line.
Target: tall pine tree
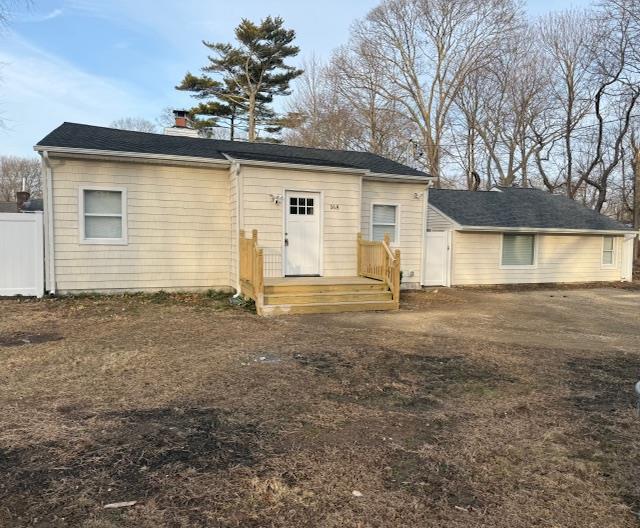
x=246, y=77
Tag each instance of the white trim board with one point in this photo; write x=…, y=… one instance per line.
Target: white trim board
x=542, y=230
x=132, y=155
x=149, y=157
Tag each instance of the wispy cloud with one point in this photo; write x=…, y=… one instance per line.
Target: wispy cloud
x=34, y=18
x=38, y=91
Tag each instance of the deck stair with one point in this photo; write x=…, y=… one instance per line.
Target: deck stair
x=303, y=295
x=376, y=287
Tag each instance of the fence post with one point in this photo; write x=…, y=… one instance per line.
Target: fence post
x=259, y=280
x=396, y=279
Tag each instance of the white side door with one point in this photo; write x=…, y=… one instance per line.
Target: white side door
x=436, y=258
x=302, y=233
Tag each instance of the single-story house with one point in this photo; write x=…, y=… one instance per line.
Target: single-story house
x=521, y=235
x=296, y=229
x=138, y=211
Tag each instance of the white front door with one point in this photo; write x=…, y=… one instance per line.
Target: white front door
x=436, y=258
x=302, y=233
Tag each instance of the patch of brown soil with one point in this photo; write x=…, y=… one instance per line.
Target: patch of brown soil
x=167, y=400
x=25, y=338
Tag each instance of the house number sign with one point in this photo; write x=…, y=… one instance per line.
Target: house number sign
x=334, y=207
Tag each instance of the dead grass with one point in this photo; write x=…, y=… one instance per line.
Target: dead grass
x=210, y=416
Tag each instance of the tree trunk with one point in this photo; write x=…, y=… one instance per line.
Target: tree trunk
x=602, y=197
x=252, y=117
x=433, y=160
x=636, y=205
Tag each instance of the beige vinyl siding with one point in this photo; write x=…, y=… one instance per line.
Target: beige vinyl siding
x=437, y=222
x=411, y=222
x=339, y=226
x=179, y=222
x=560, y=258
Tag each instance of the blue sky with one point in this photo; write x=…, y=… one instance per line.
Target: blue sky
x=94, y=61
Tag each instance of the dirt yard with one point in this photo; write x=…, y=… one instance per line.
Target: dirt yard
x=464, y=409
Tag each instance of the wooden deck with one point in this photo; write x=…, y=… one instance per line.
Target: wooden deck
x=298, y=295
x=376, y=286
x=315, y=281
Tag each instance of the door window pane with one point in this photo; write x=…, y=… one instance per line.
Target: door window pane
x=301, y=206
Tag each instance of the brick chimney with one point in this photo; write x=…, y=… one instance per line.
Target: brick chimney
x=181, y=127
x=181, y=118
x=22, y=197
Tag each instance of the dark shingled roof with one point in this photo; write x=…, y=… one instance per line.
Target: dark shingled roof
x=72, y=135
x=519, y=208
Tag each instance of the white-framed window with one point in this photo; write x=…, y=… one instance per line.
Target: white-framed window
x=608, y=251
x=103, y=215
x=518, y=251
x=384, y=219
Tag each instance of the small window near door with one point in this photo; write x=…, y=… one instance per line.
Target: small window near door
x=301, y=206
x=103, y=216
x=384, y=219
x=608, y=251
x=518, y=250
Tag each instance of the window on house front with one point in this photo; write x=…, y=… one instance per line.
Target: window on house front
x=518, y=250
x=384, y=220
x=103, y=216
x=608, y=256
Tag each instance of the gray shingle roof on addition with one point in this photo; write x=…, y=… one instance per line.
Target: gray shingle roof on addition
x=78, y=136
x=519, y=208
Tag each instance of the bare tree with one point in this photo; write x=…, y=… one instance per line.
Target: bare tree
x=500, y=105
x=358, y=80
x=339, y=106
x=427, y=49
x=568, y=41
x=18, y=173
x=617, y=69
x=318, y=117
x=490, y=97
x=137, y=124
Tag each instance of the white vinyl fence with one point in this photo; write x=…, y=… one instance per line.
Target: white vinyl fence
x=21, y=254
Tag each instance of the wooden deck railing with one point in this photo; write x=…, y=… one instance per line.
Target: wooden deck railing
x=377, y=261
x=252, y=268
